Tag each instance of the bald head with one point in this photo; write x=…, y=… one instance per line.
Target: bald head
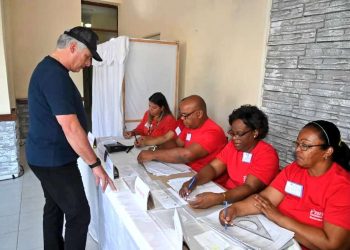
x=193, y=111
x=196, y=102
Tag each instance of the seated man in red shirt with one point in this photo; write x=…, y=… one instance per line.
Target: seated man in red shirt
x=199, y=141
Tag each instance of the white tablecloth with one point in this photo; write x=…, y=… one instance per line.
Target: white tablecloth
x=117, y=220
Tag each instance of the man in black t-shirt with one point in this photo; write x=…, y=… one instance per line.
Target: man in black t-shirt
x=57, y=137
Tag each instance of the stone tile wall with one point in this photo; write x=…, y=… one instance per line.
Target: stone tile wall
x=307, y=74
x=9, y=150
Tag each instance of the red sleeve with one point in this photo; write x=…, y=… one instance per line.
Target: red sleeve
x=265, y=165
x=211, y=140
x=225, y=153
x=140, y=129
x=182, y=135
x=281, y=179
x=178, y=128
x=337, y=209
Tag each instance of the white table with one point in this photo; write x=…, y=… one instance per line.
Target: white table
x=118, y=222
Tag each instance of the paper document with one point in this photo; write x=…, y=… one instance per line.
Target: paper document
x=270, y=236
x=177, y=183
x=211, y=240
x=166, y=200
x=164, y=169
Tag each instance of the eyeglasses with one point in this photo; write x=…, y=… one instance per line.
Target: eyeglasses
x=185, y=116
x=238, y=135
x=305, y=147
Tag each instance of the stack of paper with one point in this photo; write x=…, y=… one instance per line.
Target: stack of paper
x=176, y=185
x=165, y=169
x=253, y=232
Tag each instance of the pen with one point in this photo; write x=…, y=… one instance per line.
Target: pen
x=193, y=180
x=225, y=213
x=130, y=147
x=135, y=137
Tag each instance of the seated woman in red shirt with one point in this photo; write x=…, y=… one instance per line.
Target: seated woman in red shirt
x=167, y=140
x=310, y=196
x=251, y=163
x=156, y=121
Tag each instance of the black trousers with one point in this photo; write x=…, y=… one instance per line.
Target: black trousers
x=64, y=196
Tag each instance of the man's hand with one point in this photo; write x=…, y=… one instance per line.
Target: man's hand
x=101, y=176
x=145, y=155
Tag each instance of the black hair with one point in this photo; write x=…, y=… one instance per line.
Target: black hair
x=160, y=100
x=252, y=117
x=330, y=135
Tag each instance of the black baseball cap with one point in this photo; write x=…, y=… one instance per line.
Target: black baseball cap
x=87, y=37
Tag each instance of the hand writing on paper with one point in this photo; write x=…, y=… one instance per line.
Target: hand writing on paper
x=102, y=177
x=188, y=187
x=145, y=155
x=140, y=142
x=206, y=199
x=267, y=208
x=226, y=218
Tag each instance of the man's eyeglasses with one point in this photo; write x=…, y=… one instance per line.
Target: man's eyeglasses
x=185, y=116
x=305, y=147
x=238, y=135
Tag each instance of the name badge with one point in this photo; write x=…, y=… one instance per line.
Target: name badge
x=294, y=189
x=188, y=137
x=177, y=130
x=247, y=157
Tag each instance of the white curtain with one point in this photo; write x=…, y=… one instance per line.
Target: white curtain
x=107, y=79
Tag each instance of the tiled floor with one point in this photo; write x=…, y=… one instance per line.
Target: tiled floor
x=21, y=206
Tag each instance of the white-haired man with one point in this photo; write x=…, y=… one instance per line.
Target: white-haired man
x=57, y=137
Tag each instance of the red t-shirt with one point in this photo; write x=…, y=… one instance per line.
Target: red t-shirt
x=156, y=128
x=323, y=198
x=262, y=162
x=179, y=127
x=210, y=136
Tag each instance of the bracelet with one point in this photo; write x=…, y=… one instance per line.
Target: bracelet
x=96, y=164
x=224, y=194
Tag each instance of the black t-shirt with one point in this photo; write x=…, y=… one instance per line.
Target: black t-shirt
x=51, y=92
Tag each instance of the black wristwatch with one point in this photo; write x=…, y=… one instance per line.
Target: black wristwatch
x=96, y=164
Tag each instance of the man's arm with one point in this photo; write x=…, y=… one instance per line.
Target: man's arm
x=155, y=140
x=174, y=155
x=77, y=138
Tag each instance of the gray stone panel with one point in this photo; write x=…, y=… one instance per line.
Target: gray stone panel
x=286, y=50
x=307, y=75
x=9, y=153
x=317, y=7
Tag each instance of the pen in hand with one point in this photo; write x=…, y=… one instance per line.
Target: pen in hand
x=135, y=137
x=190, y=186
x=225, y=213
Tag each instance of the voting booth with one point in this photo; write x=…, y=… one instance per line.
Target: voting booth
x=131, y=71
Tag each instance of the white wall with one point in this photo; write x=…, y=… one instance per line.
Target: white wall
x=32, y=28
x=4, y=93
x=222, y=45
